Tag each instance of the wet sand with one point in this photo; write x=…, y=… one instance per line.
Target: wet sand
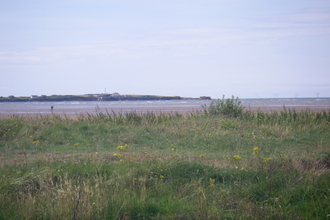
x=269, y=105
x=75, y=110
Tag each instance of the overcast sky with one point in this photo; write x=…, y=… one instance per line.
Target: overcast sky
x=190, y=48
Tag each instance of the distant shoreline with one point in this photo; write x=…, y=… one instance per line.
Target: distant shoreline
x=95, y=97
x=111, y=97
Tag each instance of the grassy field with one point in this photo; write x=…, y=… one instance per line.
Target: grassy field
x=203, y=165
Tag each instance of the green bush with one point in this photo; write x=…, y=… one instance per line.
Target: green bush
x=228, y=107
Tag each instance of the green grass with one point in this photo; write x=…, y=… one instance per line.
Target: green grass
x=253, y=165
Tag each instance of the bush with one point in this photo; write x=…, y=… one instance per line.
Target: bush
x=228, y=107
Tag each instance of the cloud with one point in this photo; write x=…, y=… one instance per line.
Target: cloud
x=181, y=41
x=316, y=22
x=20, y=58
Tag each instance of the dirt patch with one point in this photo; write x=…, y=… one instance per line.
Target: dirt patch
x=319, y=164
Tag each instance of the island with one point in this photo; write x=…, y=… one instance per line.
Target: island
x=95, y=97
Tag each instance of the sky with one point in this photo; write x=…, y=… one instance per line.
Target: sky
x=188, y=48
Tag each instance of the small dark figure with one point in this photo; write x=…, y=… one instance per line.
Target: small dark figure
x=51, y=108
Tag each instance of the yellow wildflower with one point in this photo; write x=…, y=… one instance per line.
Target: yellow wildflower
x=201, y=155
x=212, y=182
x=256, y=150
x=119, y=157
x=161, y=176
x=267, y=159
x=237, y=157
x=76, y=144
x=120, y=148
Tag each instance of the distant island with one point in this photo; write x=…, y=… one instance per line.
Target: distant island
x=94, y=97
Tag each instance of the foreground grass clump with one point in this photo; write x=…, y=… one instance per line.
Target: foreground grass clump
x=166, y=166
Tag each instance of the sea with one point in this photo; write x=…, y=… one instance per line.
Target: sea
x=168, y=106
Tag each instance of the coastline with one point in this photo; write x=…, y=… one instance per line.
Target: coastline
x=76, y=109
x=95, y=97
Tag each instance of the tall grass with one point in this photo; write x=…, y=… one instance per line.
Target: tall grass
x=254, y=165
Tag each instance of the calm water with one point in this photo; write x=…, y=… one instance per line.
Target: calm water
x=70, y=108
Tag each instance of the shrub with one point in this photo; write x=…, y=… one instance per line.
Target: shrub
x=228, y=107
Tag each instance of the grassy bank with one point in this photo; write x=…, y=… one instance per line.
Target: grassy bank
x=203, y=165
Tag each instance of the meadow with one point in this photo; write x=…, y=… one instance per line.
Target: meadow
x=219, y=163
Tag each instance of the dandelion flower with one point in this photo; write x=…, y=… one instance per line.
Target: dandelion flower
x=120, y=148
x=256, y=150
x=161, y=176
x=76, y=144
x=201, y=155
x=237, y=157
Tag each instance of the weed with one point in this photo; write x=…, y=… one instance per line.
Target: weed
x=227, y=107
